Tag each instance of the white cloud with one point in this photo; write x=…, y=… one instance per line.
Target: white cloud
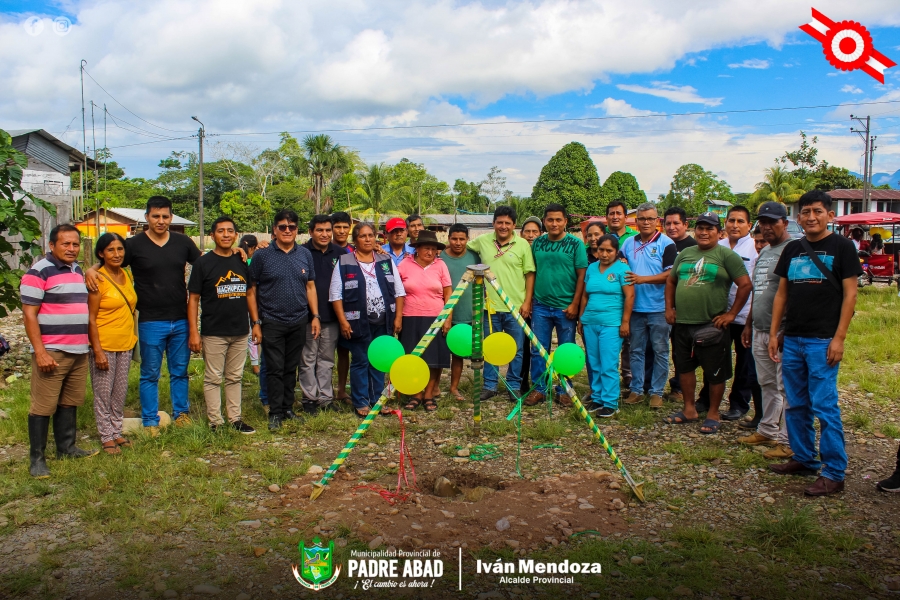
x=851, y=89
x=751, y=63
x=675, y=93
x=620, y=108
x=276, y=65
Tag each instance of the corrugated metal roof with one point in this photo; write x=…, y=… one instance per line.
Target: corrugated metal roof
x=75, y=156
x=858, y=194
x=718, y=203
x=137, y=215
x=447, y=220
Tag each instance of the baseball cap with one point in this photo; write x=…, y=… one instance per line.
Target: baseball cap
x=710, y=218
x=395, y=223
x=772, y=210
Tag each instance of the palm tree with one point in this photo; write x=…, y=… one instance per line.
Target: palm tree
x=373, y=189
x=324, y=161
x=780, y=185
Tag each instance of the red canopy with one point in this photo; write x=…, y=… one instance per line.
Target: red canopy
x=868, y=218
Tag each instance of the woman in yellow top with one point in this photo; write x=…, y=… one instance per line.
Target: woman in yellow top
x=111, y=332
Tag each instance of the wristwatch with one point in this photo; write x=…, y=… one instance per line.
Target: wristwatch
x=256, y=322
x=317, y=317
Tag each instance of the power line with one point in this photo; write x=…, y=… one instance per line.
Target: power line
x=576, y=119
x=129, y=110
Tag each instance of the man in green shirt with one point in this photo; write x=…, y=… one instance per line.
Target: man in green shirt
x=458, y=258
x=510, y=259
x=561, y=261
x=697, y=298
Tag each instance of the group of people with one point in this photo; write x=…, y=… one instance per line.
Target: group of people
x=636, y=296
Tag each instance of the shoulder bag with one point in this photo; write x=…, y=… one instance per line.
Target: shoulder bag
x=136, y=352
x=820, y=265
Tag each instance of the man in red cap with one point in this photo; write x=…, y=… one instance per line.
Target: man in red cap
x=397, y=247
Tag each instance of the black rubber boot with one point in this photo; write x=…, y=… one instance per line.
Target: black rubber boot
x=65, y=433
x=892, y=483
x=38, y=428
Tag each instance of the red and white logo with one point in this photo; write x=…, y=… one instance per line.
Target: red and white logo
x=848, y=45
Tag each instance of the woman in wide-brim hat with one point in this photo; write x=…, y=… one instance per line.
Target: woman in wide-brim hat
x=428, y=287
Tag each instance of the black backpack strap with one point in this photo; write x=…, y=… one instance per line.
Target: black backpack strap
x=820, y=265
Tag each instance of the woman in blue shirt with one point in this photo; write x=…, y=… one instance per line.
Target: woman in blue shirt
x=605, y=316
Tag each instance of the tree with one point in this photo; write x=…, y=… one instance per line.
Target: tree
x=692, y=186
x=373, y=190
x=622, y=186
x=323, y=160
x=521, y=204
x=251, y=211
x=804, y=159
x=493, y=186
x=16, y=221
x=836, y=178
x=569, y=178
x=415, y=190
x=469, y=197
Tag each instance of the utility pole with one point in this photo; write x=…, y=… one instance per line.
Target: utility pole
x=864, y=134
x=200, y=133
x=872, y=147
x=84, y=170
x=96, y=179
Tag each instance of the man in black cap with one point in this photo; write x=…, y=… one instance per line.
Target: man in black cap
x=771, y=429
x=698, y=287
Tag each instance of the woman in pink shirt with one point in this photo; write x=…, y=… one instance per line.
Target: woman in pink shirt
x=428, y=287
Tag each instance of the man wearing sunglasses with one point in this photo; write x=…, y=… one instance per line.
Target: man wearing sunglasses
x=286, y=298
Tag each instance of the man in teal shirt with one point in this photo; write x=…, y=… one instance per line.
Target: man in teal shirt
x=561, y=260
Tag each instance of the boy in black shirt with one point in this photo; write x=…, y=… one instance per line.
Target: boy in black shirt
x=220, y=282
x=817, y=296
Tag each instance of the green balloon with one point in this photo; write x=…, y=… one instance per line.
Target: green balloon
x=459, y=340
x=568, y=359
x=383, y=351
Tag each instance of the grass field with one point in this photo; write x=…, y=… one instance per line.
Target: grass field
x=182, y=494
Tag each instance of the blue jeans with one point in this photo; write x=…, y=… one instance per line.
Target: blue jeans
x=543, y=320
x=603, y=345
x=156, y=338
x=366, y=382
x=810, y=387
x=507, y=323
x=650, y=326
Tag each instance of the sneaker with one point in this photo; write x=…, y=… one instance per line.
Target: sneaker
x=487, y=394
x=274, y=422
x=749, y=423
x=513, y=395
x=779, y=451
x=290, y=415
x=242, y=427
x=891, y=484
x=757, y=439
x=152, y=431
x=676, y=396
x=656, y=401
x=634, y=398
x=534, y=398
x=606, y=412
x=183, y=420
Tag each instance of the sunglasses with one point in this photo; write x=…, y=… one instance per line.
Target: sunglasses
x=287, y=227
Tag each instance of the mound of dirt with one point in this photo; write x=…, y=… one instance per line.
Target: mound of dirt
x=523, y=515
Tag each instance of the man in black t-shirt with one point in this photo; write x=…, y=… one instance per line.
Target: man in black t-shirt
x=220, y=281
x=676, y=224
x=158, y=259
x=816, y=297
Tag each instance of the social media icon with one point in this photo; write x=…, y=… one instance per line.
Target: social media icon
x=34, y=26
x=62, y=26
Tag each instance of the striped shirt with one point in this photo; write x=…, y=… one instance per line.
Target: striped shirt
x=58, y=288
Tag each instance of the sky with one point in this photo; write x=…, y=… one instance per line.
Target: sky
x=645, y=85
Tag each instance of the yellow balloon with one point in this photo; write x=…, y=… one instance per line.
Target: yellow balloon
x=410, y=374
x=499, y=348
